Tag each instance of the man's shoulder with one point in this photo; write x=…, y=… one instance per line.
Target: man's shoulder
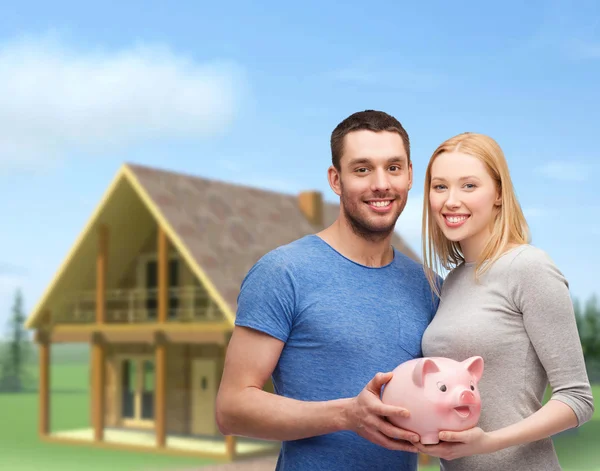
x=416, y=282
x=412, y=268
x=289, y=257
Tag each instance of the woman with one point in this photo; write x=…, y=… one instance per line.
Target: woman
x=506, y=301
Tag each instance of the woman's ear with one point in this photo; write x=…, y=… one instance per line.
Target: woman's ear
x=498, y=201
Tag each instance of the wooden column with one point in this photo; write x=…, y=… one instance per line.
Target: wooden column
x=163, y=275
x=98, y=386
x=230, y=446
x=44, y=383
x=160, y=403
x=98, y=348
x=101, y=267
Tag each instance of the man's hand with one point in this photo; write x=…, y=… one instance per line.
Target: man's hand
x=458, y=444
x=366, y=416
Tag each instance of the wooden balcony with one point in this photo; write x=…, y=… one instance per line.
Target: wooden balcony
x=185, y=304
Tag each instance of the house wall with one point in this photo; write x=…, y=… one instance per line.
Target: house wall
x=179, y=400
x=178, y=391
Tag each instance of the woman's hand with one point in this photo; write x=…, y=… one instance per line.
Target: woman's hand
x=455, y=445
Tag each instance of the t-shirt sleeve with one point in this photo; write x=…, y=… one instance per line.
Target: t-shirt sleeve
x=540, y=291
x=266, y=301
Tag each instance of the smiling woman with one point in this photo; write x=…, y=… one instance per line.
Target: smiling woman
x=463, y=199
x=506, y=301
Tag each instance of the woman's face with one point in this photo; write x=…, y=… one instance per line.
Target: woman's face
x=462, y=200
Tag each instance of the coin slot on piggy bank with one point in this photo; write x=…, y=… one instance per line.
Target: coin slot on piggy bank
x=440, y=394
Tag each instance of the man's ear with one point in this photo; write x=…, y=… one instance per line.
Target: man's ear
x=410, y=175
x=333, y=176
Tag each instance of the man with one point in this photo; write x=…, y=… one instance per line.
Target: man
x=325, y=313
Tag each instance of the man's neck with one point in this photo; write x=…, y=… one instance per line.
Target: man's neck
x=371, y=253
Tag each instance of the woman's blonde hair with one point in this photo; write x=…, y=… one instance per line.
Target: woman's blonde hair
x=509, y=224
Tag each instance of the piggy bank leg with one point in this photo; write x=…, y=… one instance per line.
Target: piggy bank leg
x=431, y=438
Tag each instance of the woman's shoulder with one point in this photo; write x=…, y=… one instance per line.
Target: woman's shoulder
x=525, y=257
x=528, y=265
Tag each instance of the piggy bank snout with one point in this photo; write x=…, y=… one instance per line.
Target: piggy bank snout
x=467, y=397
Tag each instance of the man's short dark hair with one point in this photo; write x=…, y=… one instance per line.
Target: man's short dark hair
x=371, y=120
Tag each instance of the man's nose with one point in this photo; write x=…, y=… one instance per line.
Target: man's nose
x=381, y=181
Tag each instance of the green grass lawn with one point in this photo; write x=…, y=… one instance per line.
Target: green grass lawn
x=22, y=450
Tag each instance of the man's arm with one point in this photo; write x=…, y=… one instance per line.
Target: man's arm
x=243, y=408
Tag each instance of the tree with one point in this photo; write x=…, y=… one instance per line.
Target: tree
x=588, y=323
x=14, y=356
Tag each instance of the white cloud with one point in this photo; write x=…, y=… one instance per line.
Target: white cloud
x=56, y=99
x=565, y=171
x=584, y=49
x=378, y=73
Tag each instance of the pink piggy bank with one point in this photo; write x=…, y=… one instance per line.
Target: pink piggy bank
x=439, y=393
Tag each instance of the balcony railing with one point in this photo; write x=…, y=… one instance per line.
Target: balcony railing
x=140, y=305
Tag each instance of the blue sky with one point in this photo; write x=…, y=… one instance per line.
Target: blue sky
x=249, y=92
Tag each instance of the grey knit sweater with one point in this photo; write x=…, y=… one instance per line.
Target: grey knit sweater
x=520, y=319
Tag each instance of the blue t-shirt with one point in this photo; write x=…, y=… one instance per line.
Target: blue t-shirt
x=342, y=323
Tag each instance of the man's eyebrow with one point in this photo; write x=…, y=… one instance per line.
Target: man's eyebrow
x=367, y=160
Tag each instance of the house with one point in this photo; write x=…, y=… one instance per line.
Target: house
x=151, y=284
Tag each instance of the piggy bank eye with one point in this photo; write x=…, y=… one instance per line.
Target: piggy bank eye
x=442, y=387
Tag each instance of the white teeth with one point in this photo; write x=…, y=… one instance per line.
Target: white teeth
x=455, y=219
x=380, y=204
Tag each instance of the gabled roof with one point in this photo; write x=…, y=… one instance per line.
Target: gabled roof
x=221, y=229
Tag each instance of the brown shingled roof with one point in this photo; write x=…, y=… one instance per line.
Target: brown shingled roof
x=227, y=227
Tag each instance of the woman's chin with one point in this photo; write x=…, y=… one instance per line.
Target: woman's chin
x=452, y=236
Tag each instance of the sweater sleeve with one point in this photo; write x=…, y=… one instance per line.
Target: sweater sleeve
x=541, y=293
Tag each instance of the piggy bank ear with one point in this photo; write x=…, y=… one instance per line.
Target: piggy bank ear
x=424, y=366
x=474, y=366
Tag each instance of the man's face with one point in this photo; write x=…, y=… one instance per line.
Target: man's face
x=374, y=181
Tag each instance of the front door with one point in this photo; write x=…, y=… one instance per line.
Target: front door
x=137, y=391
x=204, y=394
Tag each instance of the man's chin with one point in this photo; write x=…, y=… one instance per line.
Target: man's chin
x=377, y=230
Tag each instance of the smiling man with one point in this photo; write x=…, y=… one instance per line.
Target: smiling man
x=325, y=314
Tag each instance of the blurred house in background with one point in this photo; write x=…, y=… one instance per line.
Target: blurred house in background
x=151, y=283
